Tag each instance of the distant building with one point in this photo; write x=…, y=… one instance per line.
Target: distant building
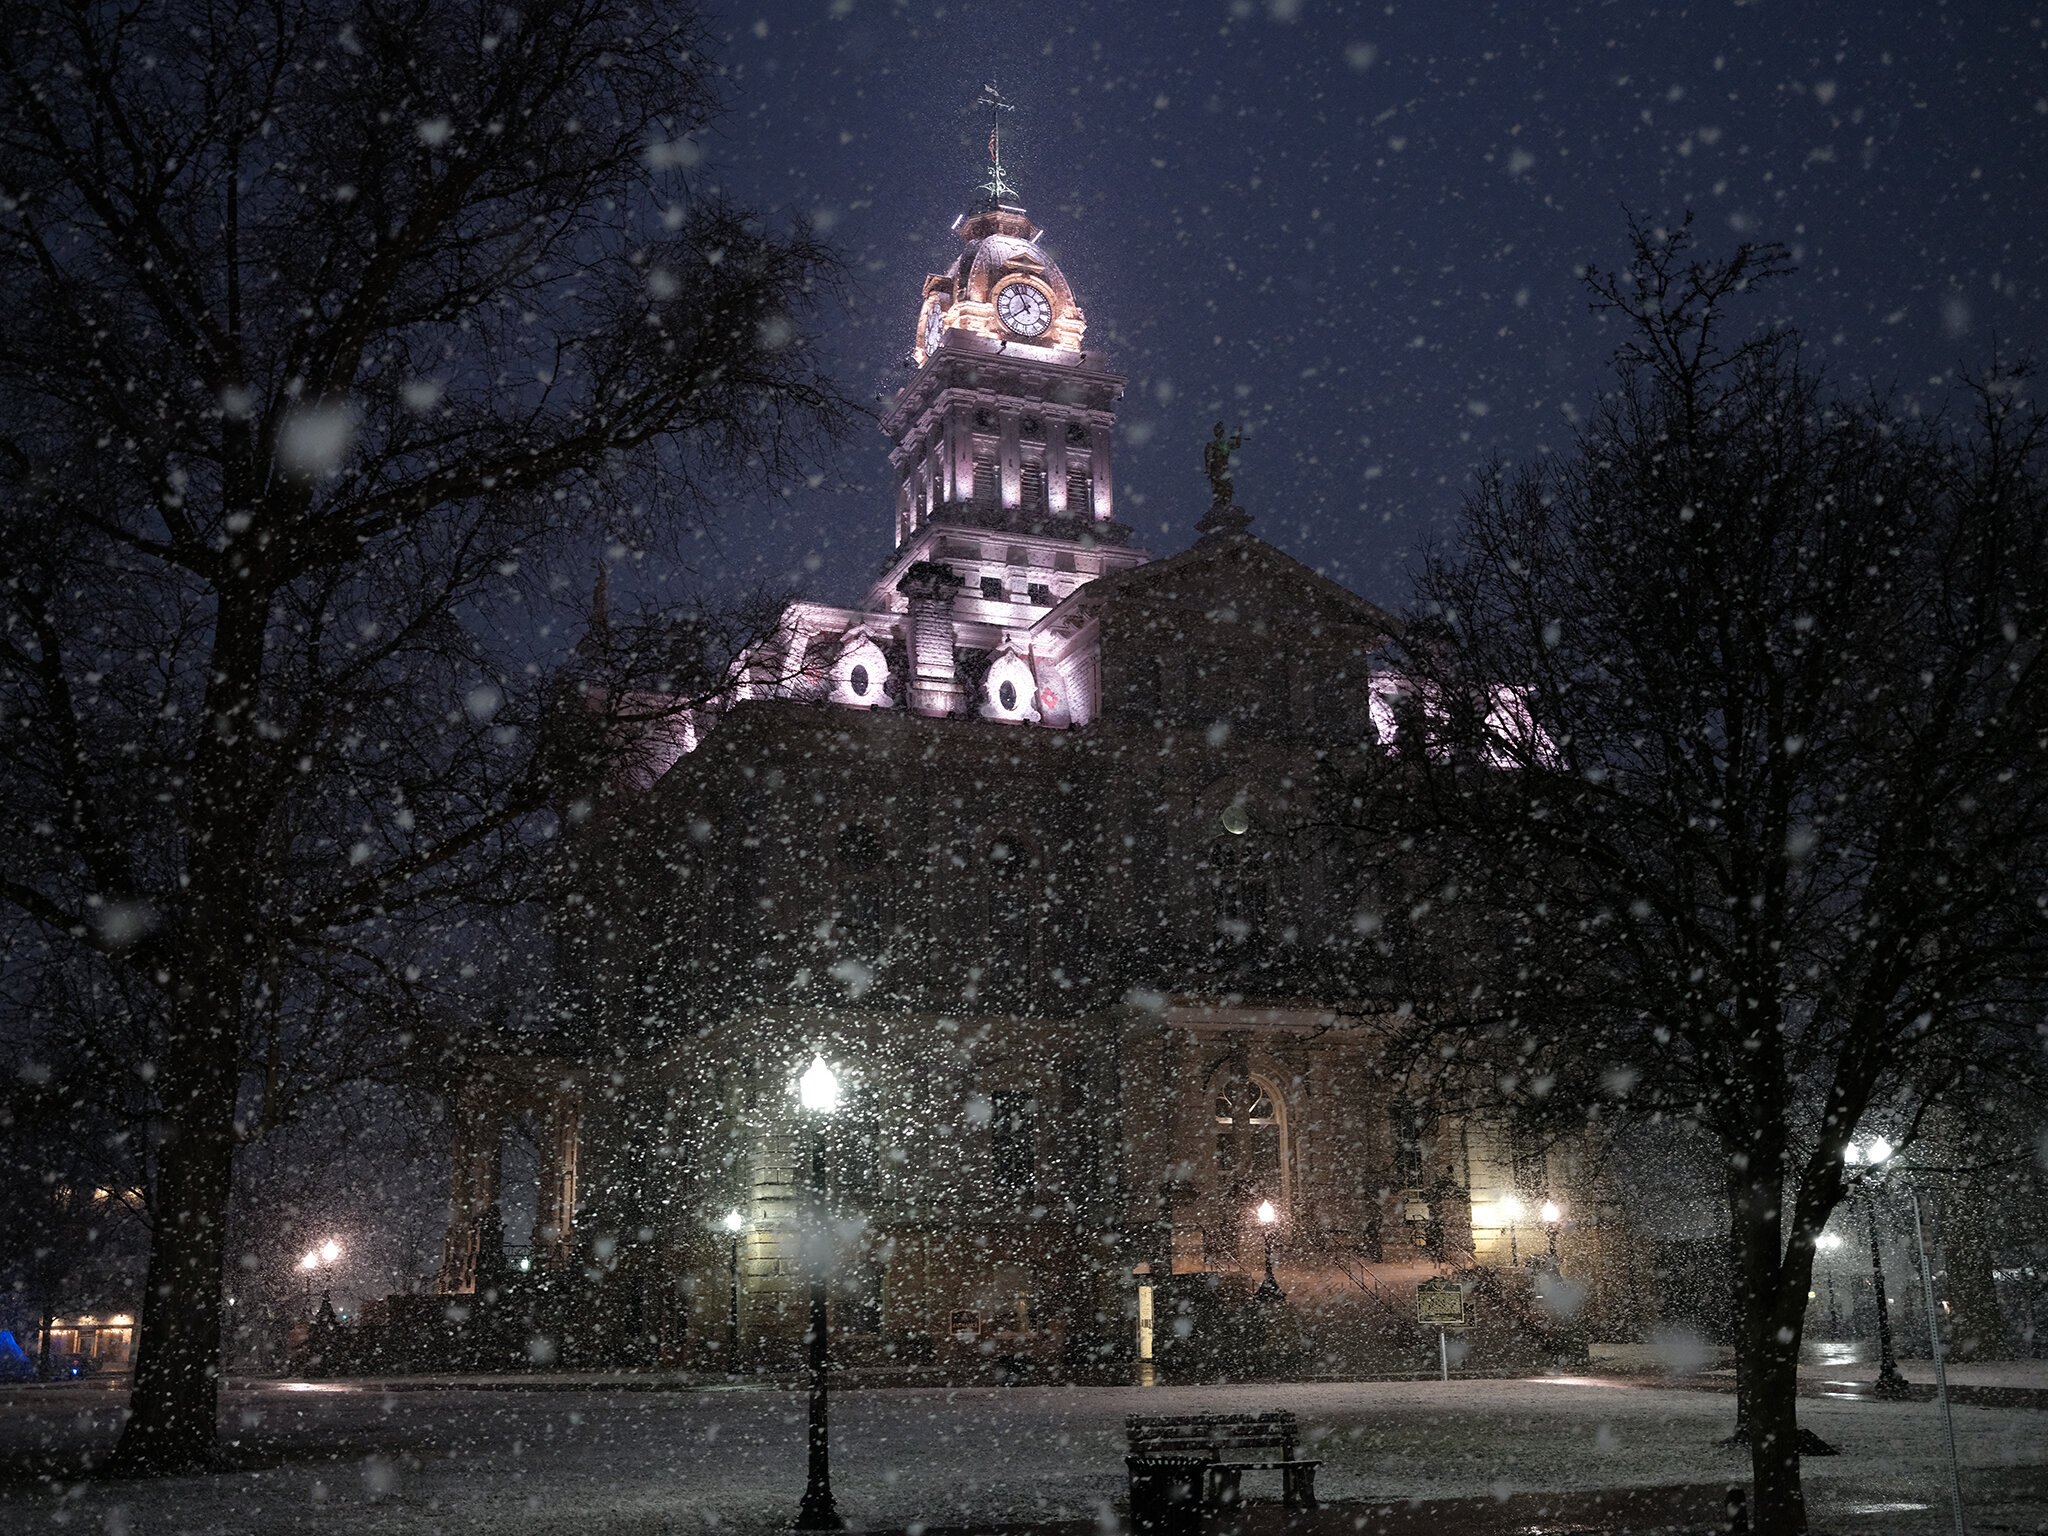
x=1053, y=851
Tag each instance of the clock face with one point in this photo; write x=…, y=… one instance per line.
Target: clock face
x=934, y=327
x=1024, y=308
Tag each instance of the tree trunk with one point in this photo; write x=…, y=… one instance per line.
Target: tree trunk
x=1772, y=1284
x=1779, y=1502
x=173, y=1411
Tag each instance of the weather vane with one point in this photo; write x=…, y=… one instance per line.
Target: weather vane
x=996, y=188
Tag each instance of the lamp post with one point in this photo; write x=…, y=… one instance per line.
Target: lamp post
x=1511, y=1208
x=1269, y=1288
x=1551, y=1217
x=818, y=1092
x=734, y=1222
x=1876, y=1154
x=321, y=1258
x=1827, y=1243
x=1889, y=1382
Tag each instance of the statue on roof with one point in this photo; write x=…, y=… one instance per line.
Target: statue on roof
x=1224, y=515
x=1216, y=463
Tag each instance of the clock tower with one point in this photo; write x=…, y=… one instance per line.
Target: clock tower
x=1005, y=497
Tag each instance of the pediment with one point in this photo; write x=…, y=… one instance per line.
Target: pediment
x=1240, y=581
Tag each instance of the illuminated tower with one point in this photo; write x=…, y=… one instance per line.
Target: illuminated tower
x=1005, y=495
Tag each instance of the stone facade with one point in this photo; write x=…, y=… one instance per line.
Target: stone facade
x=1056, y=853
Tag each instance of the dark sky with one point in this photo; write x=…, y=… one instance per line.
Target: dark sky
x=1354, y=228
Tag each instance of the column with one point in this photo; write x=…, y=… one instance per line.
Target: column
x=960, y=430
x=472, y=1183
x=1009, y=460
x=1056, y=467
x=931, y=588
x=554, y=1240
x=1098, y=468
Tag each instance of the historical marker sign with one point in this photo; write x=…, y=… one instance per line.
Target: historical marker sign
x=1440, y=1302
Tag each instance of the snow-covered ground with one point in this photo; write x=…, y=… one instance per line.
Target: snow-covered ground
x=348, y=1458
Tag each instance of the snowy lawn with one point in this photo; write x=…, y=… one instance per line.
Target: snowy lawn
x=345, y=1457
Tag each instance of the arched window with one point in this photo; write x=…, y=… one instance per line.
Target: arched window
x=1250, y=1113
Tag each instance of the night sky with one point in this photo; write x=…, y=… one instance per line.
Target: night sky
x=1354, y=229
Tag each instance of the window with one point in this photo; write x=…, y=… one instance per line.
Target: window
x=859, y=856
x=992, y=589
x=860, y=916
x=1410, y=1125
x=1041, y=594
x=1249, y=1103
x=1013, y=1129
x=1009, y=922
x=854, y=1167
x=862, y=1298
x=1076, y=433
x=1240, y=890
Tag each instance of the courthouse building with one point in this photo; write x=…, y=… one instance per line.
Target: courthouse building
x=1056, y=852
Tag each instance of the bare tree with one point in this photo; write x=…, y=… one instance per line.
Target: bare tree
x=335, y=327
x=1728, y=774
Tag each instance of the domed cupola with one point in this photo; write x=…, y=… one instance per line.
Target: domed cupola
x=1003, y=287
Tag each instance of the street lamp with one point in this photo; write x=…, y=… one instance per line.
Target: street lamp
x=734, y=1222
x=1551, y=1217
x=1269, y=1288
x=1890, y=1383
x=1828, y=1242
x=818, y=1093
x=1511, y=1208
x=321, y=1258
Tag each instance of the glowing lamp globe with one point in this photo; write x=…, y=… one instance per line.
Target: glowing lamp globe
x=310, y=1261
x=734, y=1221
x=1267, y=1215
x=1879, y=1151
x=1550, y=1211
x=330, y=1250
x=818, y=1089
x=1511, y=1208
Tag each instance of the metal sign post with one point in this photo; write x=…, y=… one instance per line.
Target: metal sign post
x=1441, y=1302
x=1955, y=1475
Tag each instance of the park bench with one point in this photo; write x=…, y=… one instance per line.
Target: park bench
x=1185, y=1465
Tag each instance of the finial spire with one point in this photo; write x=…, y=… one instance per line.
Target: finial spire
x=998, y=190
